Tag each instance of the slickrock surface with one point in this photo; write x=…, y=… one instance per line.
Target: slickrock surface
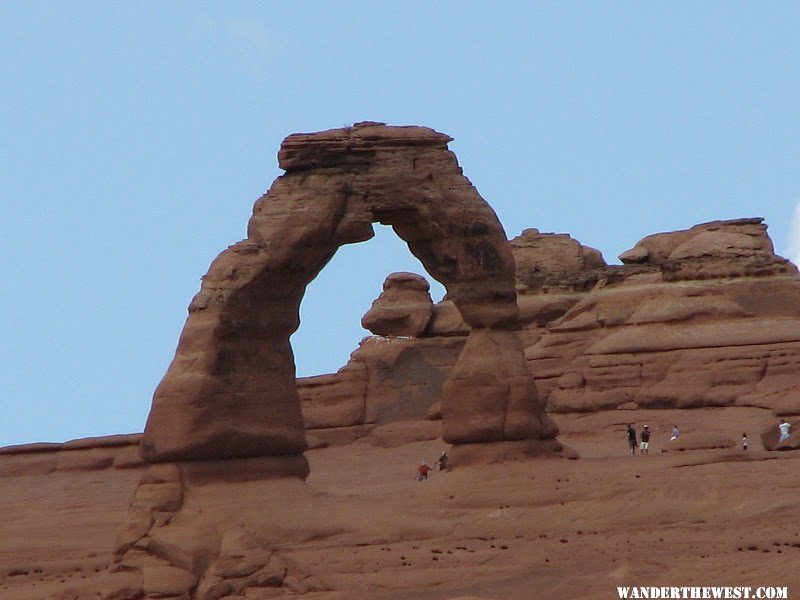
x=234, y=357
x=361, y=526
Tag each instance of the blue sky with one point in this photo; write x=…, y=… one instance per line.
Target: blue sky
x=135, y=137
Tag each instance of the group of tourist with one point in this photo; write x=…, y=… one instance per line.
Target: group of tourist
x=784, y=430
x=642, y=444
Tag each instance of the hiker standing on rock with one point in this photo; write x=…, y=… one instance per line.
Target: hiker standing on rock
x=632, y=438
x=784, y=428
x=744, y=441
x=676, y=433
x=645, y=445
x=442, y=461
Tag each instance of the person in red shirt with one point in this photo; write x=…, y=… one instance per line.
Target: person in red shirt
x=422, y=471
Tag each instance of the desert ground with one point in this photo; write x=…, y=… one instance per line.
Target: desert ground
x=362, y=526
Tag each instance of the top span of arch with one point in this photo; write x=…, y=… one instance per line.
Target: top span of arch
x=353, y=146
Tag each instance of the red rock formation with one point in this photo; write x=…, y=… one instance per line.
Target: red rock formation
x=736, y=248
x=551, y=260
x=708, y=316
x=705, y=317
x=404, y=308
x=230, y=391
x=386, y=380
x=390, y=379
x=85, y=454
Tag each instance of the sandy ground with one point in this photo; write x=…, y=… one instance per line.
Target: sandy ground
x=551, y=528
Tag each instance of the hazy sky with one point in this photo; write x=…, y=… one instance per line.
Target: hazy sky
x=136, y=136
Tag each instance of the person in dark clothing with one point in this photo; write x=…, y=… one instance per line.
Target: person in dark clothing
x=632, y=438
x=645, y=445
x=442, y=461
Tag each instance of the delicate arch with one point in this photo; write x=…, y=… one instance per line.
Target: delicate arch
x=230, y=390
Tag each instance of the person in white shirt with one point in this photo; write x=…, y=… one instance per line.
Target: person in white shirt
x=784, y=428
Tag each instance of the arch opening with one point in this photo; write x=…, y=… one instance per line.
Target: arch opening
x=335, y=301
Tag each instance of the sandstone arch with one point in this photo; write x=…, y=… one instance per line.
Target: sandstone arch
x=230, y=390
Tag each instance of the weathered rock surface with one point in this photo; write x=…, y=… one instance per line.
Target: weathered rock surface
x=228, y=412
x=709, y=316
x=85, y=454
x=386, y=380
x=706, y=317
x=404, y=308
x=230, y=390
x=735, y=248
x=177, y=552
x=401, y=433
x=554, y=260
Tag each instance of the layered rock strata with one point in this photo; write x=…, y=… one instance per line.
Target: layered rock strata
x=85, y=454
x=708, y=316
